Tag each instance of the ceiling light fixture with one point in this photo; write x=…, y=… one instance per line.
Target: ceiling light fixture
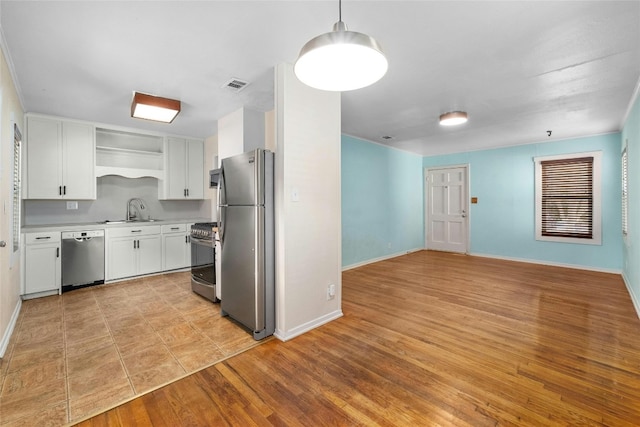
x=453, y=118
x=341, y=60
x=154, y=108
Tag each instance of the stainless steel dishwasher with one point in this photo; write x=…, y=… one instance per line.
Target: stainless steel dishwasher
x=82, y=259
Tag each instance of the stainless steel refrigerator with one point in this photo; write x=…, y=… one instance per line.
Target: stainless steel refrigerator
x=246, y=230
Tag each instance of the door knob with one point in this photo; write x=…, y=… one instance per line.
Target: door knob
x=3, y=243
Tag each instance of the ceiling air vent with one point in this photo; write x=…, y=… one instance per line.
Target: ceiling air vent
x=235, y=85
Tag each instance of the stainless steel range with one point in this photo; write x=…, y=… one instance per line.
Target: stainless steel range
x=203, y=260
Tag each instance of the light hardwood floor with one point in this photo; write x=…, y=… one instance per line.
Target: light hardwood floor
x=431, y=339
x=80, y=353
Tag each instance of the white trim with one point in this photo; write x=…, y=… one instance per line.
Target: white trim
x=306, y=327
x=381, y=144
x=597, y=198
x=550, y=263
x=10, y=66
x=4, y=343
x=382, y=258
x=632, y=101
x=635, y=299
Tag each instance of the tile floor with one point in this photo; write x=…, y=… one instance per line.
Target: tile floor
x=85, y=351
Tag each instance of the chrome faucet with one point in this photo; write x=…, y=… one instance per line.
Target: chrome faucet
x=139, y=207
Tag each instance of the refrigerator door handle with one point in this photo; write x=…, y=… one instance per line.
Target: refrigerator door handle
x=221, y=215
x=222, y=203
x=222, y=191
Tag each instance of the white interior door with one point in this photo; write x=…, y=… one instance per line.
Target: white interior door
x=447, y=211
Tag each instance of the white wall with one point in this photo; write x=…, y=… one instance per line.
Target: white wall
x=308, y=234
x=10, y=111
x=211, y=162
x=239, y=132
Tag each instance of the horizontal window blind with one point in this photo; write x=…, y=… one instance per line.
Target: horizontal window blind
x=17, y=156
x=567, y=197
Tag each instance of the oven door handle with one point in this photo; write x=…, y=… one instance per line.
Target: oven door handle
x=202, y=242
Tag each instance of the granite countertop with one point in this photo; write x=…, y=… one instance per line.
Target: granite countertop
x=102, y=225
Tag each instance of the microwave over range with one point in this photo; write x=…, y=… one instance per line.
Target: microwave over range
x=214, y=177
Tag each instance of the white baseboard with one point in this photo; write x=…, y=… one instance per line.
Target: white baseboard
x=550, y=263
x=382, y=258
x=306, y=327
x=10, y=327
x=635, y=299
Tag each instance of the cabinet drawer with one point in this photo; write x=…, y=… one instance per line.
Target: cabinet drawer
x=174, y=228
x=144, y=230
x=44, y=237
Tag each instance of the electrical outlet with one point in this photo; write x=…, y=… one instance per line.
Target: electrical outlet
x=331, y=292
x=72, y=205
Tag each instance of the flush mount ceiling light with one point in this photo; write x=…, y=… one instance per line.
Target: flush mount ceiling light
x=453, y=118
x=154, y=108
x=341, y=60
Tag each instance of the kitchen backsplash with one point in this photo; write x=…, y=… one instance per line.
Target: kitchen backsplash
x=113, y=192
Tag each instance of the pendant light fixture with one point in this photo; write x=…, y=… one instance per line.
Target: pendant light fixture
x=341, y=60
x=453, y=118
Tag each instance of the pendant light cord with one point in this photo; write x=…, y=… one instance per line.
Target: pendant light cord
x=339, y=10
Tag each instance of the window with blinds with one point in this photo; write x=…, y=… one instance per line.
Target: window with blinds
x=568, y=199
x=17, y=160
x=625, y=194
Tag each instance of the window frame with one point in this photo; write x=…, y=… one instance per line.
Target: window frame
x=624, y=160
x=596, y=214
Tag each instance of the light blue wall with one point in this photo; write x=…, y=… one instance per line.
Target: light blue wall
x=502, y=223
x=631, y=248
x=382, y=201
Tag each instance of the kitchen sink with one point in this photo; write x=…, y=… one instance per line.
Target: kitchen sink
x=126, y=221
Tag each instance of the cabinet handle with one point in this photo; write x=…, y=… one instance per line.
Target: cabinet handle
x=187, y=192
x=59, y=190
x=64, y=189
x=134, y=244
x=138, y=244
x=186, y=239
x=175, y=228
x=57, y=252
x=43, y=238
x=136, y=231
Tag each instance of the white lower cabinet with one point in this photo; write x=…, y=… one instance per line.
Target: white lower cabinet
x=133, y=251
x=42, y=265
x=176, y=247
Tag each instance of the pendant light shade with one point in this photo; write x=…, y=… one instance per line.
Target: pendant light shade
x=341, y=60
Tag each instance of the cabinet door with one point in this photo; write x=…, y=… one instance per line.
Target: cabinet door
x=122, y=260
x=195, y=169
x=78, y=165
x=175, y=251
x=149, y=254
x=44, y=158
x=175, y=173
x=42, y=268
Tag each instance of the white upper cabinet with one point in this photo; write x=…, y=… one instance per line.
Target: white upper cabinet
x=184, y=170
x=60, y=159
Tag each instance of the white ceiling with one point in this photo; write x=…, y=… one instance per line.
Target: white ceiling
x=519, y=68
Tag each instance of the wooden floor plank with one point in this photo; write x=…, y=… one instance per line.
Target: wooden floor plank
x=431, y=338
